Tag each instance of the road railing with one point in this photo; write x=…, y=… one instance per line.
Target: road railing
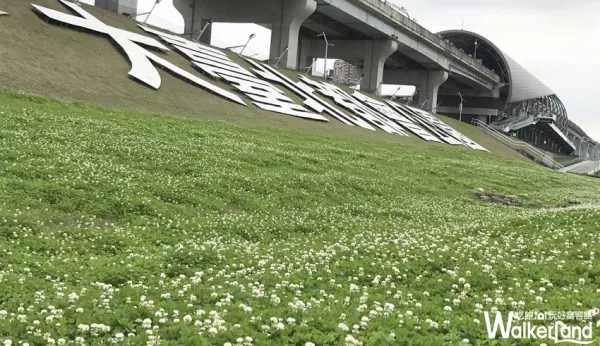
x=531, y=151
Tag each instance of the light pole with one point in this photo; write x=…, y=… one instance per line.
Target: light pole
x=404, y=11
x=460, y=107
x=396, y=92
x=309, y=68
x=208, y=23
x=357, y=86
x=475, y=54
x=244, y=45
x=282, y=54
x=156, y=2
x=327, y=44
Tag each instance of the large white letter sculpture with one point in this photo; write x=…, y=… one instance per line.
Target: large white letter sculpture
x=141, y=65
x=435, y=126
x=217, y=65
x=388, y=112
x=367, y=113
x=2, y=13
x=304, y=91
x=346, y=101
x=394, y=118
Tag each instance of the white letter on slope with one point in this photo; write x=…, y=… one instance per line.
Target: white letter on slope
x=141, y=65
x=217, y=64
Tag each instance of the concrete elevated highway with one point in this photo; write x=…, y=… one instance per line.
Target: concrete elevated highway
x=374, y=36
x=387, y=46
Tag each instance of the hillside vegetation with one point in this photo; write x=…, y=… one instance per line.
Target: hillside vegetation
x=74, y=65
x=126, y=227
x=141, y=217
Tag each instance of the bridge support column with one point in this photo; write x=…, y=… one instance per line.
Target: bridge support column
x=284, y=17
x=577, y=144
x=375, y=58
x=286, y=30
x=427, y=82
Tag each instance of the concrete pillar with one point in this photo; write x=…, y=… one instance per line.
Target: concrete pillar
x=427, y=82
x=127, y=6
x=375, y=58
x=283, y=17
x=285, y=30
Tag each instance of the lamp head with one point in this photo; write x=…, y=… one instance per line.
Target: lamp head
x=252, y=36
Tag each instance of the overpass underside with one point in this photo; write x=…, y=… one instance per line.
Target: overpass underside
x=384, y=45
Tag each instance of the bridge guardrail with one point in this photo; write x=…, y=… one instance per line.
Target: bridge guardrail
x=536, y=153
x=395, y=12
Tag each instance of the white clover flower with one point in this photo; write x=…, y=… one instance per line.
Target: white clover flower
x=343, y=327
x=351, y=341
x=447, y=308
x=308, y=343
x=187, y=318
x=581, y=281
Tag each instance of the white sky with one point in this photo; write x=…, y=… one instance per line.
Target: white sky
x=556, y=40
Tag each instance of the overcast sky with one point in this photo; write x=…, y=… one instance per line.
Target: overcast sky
x=556, y=40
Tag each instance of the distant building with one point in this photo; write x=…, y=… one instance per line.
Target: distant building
x=345, y=73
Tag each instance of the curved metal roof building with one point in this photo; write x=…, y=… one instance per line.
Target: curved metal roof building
x=522, y=95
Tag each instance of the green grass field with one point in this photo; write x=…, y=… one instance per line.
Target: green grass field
x=125, y=227
x=140, y=217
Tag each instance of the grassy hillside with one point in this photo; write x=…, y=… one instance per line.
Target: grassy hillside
x=69, y=64
x=126, y=227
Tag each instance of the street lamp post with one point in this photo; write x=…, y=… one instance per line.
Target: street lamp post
x=244, y=45
x=460, y=107
x=156, y=2
x=282, y=54
x=396, y=92
x=208, y=23
x=475, y=54
x=357, y=86
x=312, y=64
x=327, y=44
